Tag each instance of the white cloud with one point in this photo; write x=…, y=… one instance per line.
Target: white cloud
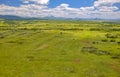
x=100, y=9
x=105, y=2
x=31, y=10
x=64, y=5
x=108, y=9
x=87, y=8
x=106, y=15
x=106, y=5
x=37, y=1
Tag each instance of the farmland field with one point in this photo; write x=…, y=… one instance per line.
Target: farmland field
x=57, y=48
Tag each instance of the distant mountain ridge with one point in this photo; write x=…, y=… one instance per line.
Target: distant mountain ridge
x=9, y=17
x=13, y=17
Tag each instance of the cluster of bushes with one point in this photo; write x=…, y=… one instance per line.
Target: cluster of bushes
x=94, y=51
x=8, y=28
x=115, y=56
x=15, y=28
x=18, y=42
x=30, y=58
x=108, y=35
x=112, y=37
x=105, y=40
x=118, y=43
x=1, y=37
x=115, y=29
x=95, y=29
x=104, y=29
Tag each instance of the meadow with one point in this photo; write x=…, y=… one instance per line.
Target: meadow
x=59, y=48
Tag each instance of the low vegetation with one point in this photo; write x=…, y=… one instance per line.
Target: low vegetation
x=54, y=48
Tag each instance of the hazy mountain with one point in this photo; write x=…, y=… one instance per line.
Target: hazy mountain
x=12, y=17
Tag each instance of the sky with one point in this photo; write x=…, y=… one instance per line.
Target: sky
x=105, y=9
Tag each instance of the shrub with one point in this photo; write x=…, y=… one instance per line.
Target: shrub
x=105, y=40
x=1, y=37
x=30, y=58
x=118, y=43
x=111, y=35
x=95, y=51
x=116, y=56
x=112, y=40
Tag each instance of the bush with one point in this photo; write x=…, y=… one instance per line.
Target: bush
x=112, y=40
x=1, y=37
x=115, y=56
x=118, y=43
x=95, y=51
x=94, y=29
x=30, y=58
x=111, y=35
x=105, y=40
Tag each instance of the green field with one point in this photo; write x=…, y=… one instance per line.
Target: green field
x=57, y=48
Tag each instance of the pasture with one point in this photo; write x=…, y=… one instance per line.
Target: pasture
x=57, y=48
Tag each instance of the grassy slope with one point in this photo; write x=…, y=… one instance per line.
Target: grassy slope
x=56, y=52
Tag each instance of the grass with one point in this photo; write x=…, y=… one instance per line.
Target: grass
x=47, y=48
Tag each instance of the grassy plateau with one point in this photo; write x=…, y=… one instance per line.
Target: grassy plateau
x=57, y=48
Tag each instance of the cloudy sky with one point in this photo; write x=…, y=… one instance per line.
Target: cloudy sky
x=107, y=9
